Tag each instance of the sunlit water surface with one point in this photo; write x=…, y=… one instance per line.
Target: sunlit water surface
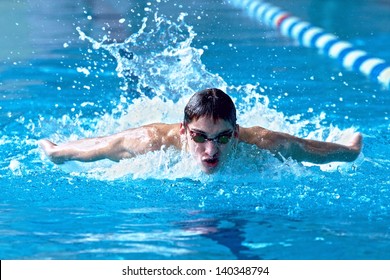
x=102, y=68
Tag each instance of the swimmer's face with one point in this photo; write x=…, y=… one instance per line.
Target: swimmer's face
x=209, y=142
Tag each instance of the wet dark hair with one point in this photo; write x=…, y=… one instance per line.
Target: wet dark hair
x=213, y=103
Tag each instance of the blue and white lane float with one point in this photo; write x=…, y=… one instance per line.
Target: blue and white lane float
x=311, y=36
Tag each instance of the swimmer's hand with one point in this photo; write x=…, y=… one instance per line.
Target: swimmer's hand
x=324, y=152
x=85, y=150
x=52, y=151
x=355, y=145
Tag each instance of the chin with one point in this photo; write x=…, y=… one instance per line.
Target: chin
x=209, y=170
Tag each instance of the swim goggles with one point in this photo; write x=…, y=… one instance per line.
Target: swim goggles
x=222, y=138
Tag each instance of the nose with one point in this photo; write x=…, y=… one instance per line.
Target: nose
x=211, y=148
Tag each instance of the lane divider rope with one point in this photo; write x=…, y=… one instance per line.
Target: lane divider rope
x=307, y=35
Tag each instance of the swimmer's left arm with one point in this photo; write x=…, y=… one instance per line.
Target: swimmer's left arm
x=125, y=144
x=286, y=145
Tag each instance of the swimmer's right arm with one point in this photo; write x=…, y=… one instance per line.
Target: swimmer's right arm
x=289, y=146
x=115, y=147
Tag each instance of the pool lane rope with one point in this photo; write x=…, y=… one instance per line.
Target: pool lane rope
x=308, y=35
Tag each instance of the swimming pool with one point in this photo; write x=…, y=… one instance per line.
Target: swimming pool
x=81, y=69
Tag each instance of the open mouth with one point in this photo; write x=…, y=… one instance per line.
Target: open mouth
x=211, y=162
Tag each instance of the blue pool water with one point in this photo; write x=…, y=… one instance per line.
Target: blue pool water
x=74, y=69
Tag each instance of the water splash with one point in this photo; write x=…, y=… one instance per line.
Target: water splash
x=159, y=60
x=160, y=70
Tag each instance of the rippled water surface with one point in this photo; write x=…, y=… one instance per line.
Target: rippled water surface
x=70, y=70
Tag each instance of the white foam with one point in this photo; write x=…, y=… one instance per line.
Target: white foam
x=168, y=71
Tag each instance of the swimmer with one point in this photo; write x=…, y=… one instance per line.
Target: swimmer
x=208, y=132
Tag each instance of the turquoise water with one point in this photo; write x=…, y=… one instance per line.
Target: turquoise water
x=74, y=70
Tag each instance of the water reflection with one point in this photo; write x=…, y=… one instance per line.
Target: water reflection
x=348, y=18
x=39, y=27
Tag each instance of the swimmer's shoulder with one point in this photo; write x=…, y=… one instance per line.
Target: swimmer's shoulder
x=148, y=137
x=164, y=134
x=251, y=134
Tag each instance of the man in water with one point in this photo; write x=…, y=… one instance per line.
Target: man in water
x=209, y=131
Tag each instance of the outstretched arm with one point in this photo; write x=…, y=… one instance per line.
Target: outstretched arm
x=115, y=147
x=285, y=145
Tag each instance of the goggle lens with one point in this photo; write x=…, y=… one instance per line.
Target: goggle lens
x=198, y=138
x=220, y=139
x=224, y=139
